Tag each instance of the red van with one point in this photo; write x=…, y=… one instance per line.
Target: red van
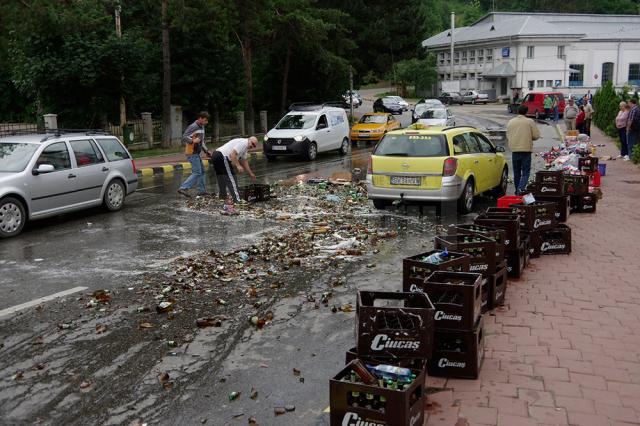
x=535, y=103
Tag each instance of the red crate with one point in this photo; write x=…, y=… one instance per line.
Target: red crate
x=538, y=215
x=456, y=297
x=415, y=271
x=404, y=331
x=458, y=354
x=482, y=250
x=594, y=178
x=576, y=184
x=497, y=234
x=348, y=401
x=507, y=200
x=556, y=241
x=588, y=164
x=510, y=223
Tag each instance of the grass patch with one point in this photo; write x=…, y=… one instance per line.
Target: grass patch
x=155, y=152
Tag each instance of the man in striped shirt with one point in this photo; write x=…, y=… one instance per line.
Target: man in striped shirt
x=633, y=126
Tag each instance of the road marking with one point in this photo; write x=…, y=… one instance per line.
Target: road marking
x=36, y=302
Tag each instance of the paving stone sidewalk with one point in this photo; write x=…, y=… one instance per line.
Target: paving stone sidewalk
x=565, y=348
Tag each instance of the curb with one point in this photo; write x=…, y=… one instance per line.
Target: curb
x=169, y=169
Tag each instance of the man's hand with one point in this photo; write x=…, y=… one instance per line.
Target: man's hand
x=240, y=168
x=252, y=176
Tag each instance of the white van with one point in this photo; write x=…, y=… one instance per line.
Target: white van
x=307, y=130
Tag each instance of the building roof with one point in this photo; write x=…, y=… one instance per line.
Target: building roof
x=505, y=25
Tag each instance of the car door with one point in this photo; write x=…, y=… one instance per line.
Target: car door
x=492, y=167
x=478, y=162
x=392, y=123
x=91, y=170
x=323, y=134
x=51, y=192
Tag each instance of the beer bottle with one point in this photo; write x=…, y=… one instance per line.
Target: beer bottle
x=369, y=402
x=355, y=399
x=354, y=376
x=383, y=404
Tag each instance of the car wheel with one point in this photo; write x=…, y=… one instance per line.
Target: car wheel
x=501, y=189
x=344, y=148
x=465, y=202
x=537, y=115
x=312, y=151
x=381, y=204
x=13, y=216
x=270, y=157
x=114, y=195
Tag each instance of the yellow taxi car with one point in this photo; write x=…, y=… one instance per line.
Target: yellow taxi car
x=435, y=164
x=373, y=126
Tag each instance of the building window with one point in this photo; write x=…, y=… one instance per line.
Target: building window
x=607, y=72
x=472, y=75
x=448, y=57
x=441, y=76
x=464, y=56
x=634, y=74
x=456, y=57
x=480, y=55
x=576, y=75
x=441, y=57
x=549, y=83
x=489, y=55
x=540, y=83
x=472, y=56
x=561, y=52
x=530, y=84
x=557, y=83
x=530, y=52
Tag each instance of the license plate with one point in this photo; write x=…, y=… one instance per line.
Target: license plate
x=279, y=148
x=405, y=180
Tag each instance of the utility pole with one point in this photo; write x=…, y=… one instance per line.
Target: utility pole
x=123, y=106
x=453, y=24
x=351, y=92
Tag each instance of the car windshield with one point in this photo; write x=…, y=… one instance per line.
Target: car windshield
x=420, y=108
x=413, y=146
x=434, y=113
x=297, y=121
x=396, y=98
x=373, y=119
x=15, y=156
x=389, y=101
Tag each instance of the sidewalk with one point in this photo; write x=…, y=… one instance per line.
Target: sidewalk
x=565, y=348
x=164, y=164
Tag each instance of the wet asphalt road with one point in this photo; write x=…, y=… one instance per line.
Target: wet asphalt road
x=96, y=249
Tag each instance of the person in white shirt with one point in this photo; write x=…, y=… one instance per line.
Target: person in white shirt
x=234, y=152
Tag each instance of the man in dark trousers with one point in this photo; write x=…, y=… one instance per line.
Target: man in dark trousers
x=521, y=132
x=233, y=154
x=194, y=144
x=633, y=126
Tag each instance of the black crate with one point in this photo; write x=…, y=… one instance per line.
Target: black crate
x=576, y=184
x=401, y=407
x=482, y=250
x=588, y=164
x=404, y=331
x=534, y=244
x=585, y=203
x=509, y=223
x=458, y=354
x=498, y=287
x=556, y=241
x=516, y=261
x=563, y=205
x=500, y=235
x=549, y=183
x=538, y=215
x=527, y=254
x=456, y=297
x=413, y=363
x=415, y=271
x=255, y=192
x=487, y=289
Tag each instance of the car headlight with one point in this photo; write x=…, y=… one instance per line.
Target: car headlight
x=266, y=138
x=298, y=138
x=379, y=130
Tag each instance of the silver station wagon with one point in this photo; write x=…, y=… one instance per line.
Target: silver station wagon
x=47, y=174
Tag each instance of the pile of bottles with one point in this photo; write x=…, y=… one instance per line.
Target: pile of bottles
x=394, y=320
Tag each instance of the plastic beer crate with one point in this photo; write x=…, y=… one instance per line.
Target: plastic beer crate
x=482, y=252
x=549, y=182
x=588, y=164
x=516, y=261
x=534, y=244
x=563, y=204
x=585, y=203
x=539, y=215
x=556, y=241
x=500, y=235
x=497, y=287
x=255, y=192
x=413, y=363
x=415, y=271
x=404, y=331
x=458, y=354
x=576, y=184
x=509, y=222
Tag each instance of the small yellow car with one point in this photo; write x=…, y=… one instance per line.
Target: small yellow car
x=435, y=164
x=373, y=126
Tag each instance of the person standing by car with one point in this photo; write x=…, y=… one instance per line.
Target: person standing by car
x=548, y=105
x=633, y=126
x=621, y=125
x=556, y=106
x=194, y=145
x=521, y=132
x=233, y=152
x=570, y=113
x=588, y=114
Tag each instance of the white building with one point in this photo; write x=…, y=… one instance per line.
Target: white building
x=571, y=53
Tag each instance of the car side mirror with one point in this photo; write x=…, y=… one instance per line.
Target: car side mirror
x=500, y=149
x=43, y=169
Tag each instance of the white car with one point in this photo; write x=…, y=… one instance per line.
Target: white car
x=306, y=130
x=475, y=97
x=437, y=117
x=400, y=101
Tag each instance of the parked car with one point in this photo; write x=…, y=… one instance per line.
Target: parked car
x=357, y=99
x=435, y=165
x=424, y=105
x=451, y=98
x=475, y=97
x=387, y=104
x=437, y=117
x=535, y=103
x=306, y=130
x=47, y=174
x=433, y=102
x=405, y=104
x=373, y=126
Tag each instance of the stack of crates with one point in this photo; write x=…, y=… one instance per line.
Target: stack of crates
x=394, y=333
x=536, y=218
x=550, y=186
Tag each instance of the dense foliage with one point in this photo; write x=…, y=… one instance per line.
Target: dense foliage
x=63, y=55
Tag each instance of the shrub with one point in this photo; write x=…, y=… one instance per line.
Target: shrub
x=635, y=156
